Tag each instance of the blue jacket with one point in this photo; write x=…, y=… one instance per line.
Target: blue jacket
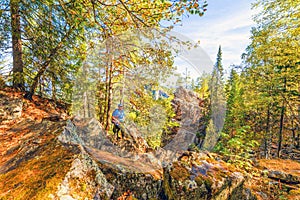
x=119, y=115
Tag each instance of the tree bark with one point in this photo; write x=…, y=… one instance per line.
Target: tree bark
x=281, y=124
x=53, y=87
x=85, y=104
x=109, y=96
x=280, y=130
x=18, y=76
x=109, y=47
x=268, y=136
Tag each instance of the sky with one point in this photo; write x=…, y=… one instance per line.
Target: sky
x=226, y=23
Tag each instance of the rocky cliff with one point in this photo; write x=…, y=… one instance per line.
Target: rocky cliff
x=46, y=155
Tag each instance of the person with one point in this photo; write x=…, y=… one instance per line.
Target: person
x=118, y=118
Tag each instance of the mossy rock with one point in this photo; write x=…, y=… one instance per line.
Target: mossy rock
x=179, y=172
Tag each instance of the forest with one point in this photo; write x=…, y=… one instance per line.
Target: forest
x=90, y=56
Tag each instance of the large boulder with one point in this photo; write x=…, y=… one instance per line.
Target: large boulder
x=92, y=134
x=84, y=177
x=198, y=176
x=189, y=110
x=34, y=164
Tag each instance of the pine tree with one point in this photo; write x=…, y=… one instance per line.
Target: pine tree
x=219, y=65
x=217, y=103
x=234, y=103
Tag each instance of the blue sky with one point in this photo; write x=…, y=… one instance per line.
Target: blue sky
x=226, y=23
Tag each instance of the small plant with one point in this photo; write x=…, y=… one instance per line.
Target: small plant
x=238, y=149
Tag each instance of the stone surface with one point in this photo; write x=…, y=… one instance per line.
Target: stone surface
x=70, y=135
x=84, y=171
x=284, y=177
x=192, y=177
x=181, y=142
x=90, y=133
x=136, y=142
x=10, y=108
x=188, y=109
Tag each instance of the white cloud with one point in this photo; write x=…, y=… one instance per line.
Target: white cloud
x=227, y=24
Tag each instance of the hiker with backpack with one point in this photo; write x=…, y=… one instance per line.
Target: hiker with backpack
x=118, y=118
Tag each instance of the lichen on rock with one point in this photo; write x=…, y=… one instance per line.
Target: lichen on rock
x=85, y=179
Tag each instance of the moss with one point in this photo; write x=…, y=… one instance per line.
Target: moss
x=39, y=176
x=167, y=191
x=199, y=180
x=207, y=181
x=80, y=188
x=293, y=194
x=179, y=172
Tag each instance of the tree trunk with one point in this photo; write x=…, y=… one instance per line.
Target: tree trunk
x=108, y=81
x=298, y=127
x=280, y=130
x=298, y=140
x=41, y=88
x=85, y=104
x=34, y=85
x=89, y=101
x=281, y=124
x=53, y=87
x=18, y=76
x=106, y=97
x=268, y=136
x=101, y=102
x=109, y=99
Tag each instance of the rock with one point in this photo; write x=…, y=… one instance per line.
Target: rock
x=10, y=108
x=69, y=135
x=138, y=174
x=284, y=177
x=189, y=113
x=76, y=160
x=90, y=133
x=188, y=109
x=181, y=142
x=191, y=177
x=99, y=174
x=85, y=175
x=136, y=141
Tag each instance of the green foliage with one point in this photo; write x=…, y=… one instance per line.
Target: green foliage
x=202, y=86
x=152, y=117
x=217, y=104
x=235, y=104
x=219, y=65
x=54, y=35
x=271, y=76
x=239, y=149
